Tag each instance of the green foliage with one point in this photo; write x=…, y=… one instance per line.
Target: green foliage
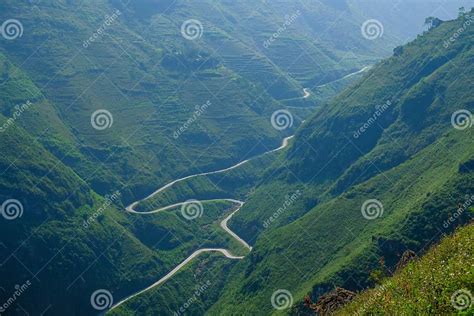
x=425, y=287
x=71, y=240
x=190, y=292
x=409, y=159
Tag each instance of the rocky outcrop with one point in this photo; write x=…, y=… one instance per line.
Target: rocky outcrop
x=407, y=257
x=329, y=303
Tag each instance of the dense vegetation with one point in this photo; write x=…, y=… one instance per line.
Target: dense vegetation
x=150, y=79
x=410, y=159
x=191, y=292
x=73, y=180
x=439, y=283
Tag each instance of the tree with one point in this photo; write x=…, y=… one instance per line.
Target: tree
x=432, y=22
x=397, y=51
x=429, y=21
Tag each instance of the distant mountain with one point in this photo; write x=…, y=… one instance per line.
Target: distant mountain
x=381, y=168
x=102, y=102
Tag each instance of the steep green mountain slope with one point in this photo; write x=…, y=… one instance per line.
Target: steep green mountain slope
x=131, y=60
x=404, y=153
x=65, y=228
x=235, y=184
x=440, y=283
x=150, y=91
x=196, y=285
x=76, y=58
x=135, y=64
x=66, y=242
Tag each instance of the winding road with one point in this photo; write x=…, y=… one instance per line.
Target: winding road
x=175, y=270
x=223, y=224
x=131, y=207
x=347, y=76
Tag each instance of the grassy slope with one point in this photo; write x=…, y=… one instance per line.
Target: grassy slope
x=118, y=252
x=235, y=184
x=194, y=289
x=322, y=252
x=125, y=74
x=409, y=160
x=326, y=158
x=59, y=161
x=425, y=286
x=60, y=168
x=142, y=66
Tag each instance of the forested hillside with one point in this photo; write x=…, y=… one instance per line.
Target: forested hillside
x=104, y=101
x=381, y=169
x=422, y=286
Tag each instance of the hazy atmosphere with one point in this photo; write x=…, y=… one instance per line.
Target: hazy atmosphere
x=236, y=157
